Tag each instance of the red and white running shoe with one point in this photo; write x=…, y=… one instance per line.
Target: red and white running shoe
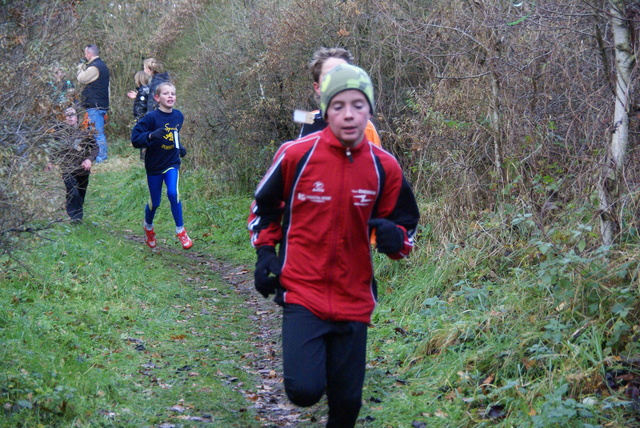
x=184, y=239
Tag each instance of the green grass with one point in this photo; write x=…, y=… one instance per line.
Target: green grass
x=457, y=348
x=109, y=333
x=101, y=331
x=124, y=331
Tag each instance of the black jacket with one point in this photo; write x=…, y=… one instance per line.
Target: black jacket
x=163, y=152
x=140, y=103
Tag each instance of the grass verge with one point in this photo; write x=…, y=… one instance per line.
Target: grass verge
x=102, y=331
x=106, y=332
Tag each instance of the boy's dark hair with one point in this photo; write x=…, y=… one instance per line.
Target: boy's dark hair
x=322, y=54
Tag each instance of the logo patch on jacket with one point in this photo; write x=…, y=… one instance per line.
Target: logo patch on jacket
x=363, y=197
x=313, y=198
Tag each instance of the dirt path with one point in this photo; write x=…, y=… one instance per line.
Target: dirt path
x=265, y=363
x=267, y=395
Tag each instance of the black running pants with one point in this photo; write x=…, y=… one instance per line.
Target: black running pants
x=324, y=356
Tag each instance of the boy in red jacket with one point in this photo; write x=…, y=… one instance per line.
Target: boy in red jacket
x=319, y=201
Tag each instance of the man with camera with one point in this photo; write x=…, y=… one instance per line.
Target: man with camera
x=94, y=74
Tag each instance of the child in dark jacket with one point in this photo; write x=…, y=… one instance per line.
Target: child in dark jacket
x=74, y=150
x=141, y=98
x=159, y=132
x=140, y=95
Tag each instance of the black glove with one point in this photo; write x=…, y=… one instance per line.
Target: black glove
x=389, y=237
x=279, y=297
x=183, y=152
x=267, y=263
x=158, y=133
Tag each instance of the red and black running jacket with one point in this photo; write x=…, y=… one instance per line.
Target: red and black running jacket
x=315, y=201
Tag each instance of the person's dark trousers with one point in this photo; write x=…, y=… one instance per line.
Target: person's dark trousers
x=324, y=355
x=76, y=190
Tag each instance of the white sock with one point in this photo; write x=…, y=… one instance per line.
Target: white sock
x=148, y=226
x=179, y=229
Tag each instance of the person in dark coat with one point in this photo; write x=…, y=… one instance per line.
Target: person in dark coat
x=94, y=74
x=140, y=96
x=74, y=150
x=140, y=99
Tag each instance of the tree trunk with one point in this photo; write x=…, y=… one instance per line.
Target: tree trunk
x=612, y=171
x=496, y=125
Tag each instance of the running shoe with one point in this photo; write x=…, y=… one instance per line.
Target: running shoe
x=184, y=239
x=150, y=238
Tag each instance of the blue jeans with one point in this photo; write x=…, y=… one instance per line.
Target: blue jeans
x=96, y=118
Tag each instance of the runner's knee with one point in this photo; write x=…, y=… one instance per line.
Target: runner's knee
x=304, y=396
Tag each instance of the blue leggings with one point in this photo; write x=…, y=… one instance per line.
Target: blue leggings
x=171, y=178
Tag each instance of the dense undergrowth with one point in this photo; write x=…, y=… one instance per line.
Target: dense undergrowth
x=516, y=325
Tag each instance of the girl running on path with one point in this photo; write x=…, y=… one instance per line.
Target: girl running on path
x=159, y=132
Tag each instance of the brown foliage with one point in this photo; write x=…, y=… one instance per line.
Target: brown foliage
x=458, y=83
x=33, y=47
x=35, y=43
x=452, y=79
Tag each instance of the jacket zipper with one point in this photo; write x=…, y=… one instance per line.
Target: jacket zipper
x=348, y=152
x=336, y=220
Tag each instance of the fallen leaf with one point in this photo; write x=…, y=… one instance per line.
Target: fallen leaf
x=285, y=406
x=451, y=395
x=487, y=382
x=529, y=364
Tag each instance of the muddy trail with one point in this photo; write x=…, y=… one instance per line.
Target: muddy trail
x=266, y=396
